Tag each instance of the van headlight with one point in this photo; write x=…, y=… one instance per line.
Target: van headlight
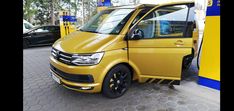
x=87, y=59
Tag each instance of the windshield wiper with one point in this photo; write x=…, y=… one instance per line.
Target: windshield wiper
x=81, y=30
x=89, y=31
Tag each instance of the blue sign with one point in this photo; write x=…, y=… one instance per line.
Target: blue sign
x=209, y=82
x=69, y=18
x=104, y=3
x=213, y=8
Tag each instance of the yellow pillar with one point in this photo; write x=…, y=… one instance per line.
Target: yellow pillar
x=101, y=8
x=209, y=73
x=67, y=23
x=62, y=23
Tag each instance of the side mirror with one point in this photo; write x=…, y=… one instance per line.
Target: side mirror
x=77, y=28
x=137, y=34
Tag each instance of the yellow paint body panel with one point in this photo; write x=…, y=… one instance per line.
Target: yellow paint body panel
x=210, y=56
x=159, y=57
x=110, y=59
x=62, y=29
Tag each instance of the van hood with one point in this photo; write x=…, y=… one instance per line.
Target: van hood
x=84, y=42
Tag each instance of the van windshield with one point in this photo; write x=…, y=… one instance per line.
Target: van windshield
x=108, y=21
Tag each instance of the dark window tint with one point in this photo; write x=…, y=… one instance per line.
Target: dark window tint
x=41, y=29
x=53, y=28
x=140, y=14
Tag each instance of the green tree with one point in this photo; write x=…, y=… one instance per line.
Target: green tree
x=43, y=11
x=46, y=11
x=28, y=9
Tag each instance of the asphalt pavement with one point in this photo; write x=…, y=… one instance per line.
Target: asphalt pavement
x=42, y=93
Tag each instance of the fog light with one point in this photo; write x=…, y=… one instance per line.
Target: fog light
x=86, y=88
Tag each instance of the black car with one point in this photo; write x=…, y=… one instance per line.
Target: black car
x=42, y=35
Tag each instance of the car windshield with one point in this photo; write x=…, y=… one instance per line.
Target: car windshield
x=28, y=26
x=32, y=29
x=108, y=21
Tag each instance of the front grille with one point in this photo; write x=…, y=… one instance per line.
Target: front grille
x=62, y=56
x=79, y=78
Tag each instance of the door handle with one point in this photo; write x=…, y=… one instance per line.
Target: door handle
x=179, y=43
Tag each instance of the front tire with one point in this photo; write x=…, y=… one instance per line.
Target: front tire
x=117, y=81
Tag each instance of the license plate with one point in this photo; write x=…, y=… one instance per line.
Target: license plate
x=56, y=78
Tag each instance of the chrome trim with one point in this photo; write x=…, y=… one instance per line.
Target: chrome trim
x=54, y=54
x=65, y=56
x=64, y=59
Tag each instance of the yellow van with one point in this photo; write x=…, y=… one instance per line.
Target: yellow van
x=147, y=43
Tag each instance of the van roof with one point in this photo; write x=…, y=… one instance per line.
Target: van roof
x=139, y=6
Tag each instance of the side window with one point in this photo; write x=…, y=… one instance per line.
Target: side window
x=48, y=29
x=56, y=29
x=147, y=26
x=51, y=29
x=141, y=14
x=168, y=21
x=41, y=29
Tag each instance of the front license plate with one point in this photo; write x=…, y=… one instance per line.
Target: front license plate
x=56, y=78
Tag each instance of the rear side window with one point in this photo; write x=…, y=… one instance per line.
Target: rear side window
x=53, y=29
x=41, y=29
x=57, y=29
x=171, y=21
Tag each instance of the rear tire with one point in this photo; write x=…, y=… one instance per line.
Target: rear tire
x=117, y=81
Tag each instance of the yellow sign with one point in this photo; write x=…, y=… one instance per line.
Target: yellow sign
x=66, y=27
x=210, y=3
x=101, y=8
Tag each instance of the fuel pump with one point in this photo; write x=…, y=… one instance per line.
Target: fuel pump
x=67, y=23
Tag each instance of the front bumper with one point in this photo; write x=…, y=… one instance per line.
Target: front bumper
x=79, y=78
